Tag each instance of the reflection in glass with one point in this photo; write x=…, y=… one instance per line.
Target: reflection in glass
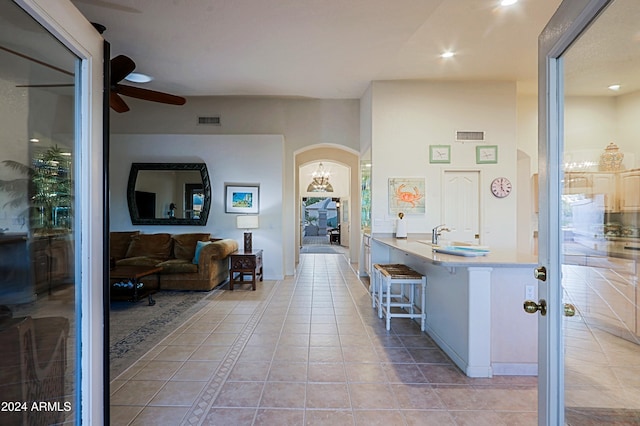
x=38, y=297
x=601, y=221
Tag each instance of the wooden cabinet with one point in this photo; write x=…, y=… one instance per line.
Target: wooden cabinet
x=15, y=282
x=593, y=184
x=577, y=183
x=52, y=260
x=605, y=184
x=629, y=190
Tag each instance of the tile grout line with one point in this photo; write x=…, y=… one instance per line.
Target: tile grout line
x=203, y=403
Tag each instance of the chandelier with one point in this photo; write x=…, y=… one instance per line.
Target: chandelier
x=320, y=180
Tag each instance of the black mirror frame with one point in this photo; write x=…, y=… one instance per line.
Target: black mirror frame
x=131, y=185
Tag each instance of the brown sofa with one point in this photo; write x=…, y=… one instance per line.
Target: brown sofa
x=175, y=253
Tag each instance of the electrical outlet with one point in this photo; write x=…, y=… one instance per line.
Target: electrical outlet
x=530, y=292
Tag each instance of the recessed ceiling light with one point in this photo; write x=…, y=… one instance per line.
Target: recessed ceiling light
x=447, y=54
x=614, y=87
x=508, y=2
x=34, y=140
x=136, y=77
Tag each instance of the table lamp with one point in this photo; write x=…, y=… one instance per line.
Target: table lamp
x=247, y=222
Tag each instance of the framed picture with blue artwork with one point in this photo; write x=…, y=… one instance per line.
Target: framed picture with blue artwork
x=242, y=198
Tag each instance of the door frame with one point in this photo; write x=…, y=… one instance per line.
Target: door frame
x=565, y=26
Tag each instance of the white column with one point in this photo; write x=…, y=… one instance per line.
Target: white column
x=479, y=361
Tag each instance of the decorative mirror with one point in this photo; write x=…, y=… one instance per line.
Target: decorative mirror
x=169, y=194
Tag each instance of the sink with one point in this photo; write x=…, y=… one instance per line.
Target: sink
x=467, y=251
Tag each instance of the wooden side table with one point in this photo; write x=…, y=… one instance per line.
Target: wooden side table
x=245, y=263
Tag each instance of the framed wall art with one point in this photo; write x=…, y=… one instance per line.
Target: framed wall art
x=440, y=154
x=487, y=154
x=242, y=198
x=407, y=195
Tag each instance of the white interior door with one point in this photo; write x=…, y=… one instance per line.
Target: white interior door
x=461, y=205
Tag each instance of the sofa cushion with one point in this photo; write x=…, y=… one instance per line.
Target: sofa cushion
x=178, y=266
x=119, y=243
x=184, y=245
x=138, y=261
x=156, y=246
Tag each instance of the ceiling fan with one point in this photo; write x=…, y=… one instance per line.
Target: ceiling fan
x=122, y=66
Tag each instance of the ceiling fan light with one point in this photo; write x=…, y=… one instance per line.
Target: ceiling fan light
x=137, y=77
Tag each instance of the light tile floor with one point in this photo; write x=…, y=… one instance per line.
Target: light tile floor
x=309, y=350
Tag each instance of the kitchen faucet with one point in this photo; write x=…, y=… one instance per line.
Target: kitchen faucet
x=436, y=232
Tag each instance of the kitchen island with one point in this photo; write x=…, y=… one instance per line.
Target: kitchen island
x=474, y=304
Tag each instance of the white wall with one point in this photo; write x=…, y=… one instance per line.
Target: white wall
x=231, y=159
x=628, y=128
x=302, y=122
x=527, y=116
x=408, y=116
x=591, y=122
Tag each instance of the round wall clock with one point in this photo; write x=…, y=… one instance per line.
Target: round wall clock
x=501, y=187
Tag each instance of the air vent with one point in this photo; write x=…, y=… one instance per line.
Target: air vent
x=467, y=136
x=213, y=120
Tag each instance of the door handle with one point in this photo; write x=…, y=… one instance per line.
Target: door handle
x=532, y=307
x=540, y=273
x=569, y=310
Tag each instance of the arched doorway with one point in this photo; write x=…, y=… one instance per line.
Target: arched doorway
x=324, y=193
x=343, y=159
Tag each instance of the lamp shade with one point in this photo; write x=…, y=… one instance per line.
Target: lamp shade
x=247, y=222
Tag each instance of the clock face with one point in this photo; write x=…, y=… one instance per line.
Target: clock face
x=501, y=187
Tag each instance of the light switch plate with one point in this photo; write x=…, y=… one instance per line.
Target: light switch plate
x=530, y=292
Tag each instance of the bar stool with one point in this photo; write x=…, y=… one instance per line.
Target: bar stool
x=376, y=280
x=389, y=292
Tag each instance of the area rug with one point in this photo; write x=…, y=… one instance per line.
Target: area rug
x=319, y=250
x=135, y=328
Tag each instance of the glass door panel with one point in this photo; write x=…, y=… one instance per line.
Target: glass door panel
x=39, y=370
x=600, y=220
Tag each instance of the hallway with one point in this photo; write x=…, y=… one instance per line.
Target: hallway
x=309, y=350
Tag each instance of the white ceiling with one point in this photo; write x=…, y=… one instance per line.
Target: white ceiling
x=320, y=49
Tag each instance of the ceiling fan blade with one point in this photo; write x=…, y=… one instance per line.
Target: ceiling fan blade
x=117, y=103
x=121, y=66
x=149, y=95
x=29, y=58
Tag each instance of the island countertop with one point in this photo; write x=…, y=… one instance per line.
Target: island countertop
x=420, y=247
x=473, y=304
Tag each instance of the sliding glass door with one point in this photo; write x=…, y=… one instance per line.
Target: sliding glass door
x=45, y=141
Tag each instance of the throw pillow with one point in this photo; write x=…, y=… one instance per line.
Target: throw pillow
x=184, y=245
x=199, y=246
